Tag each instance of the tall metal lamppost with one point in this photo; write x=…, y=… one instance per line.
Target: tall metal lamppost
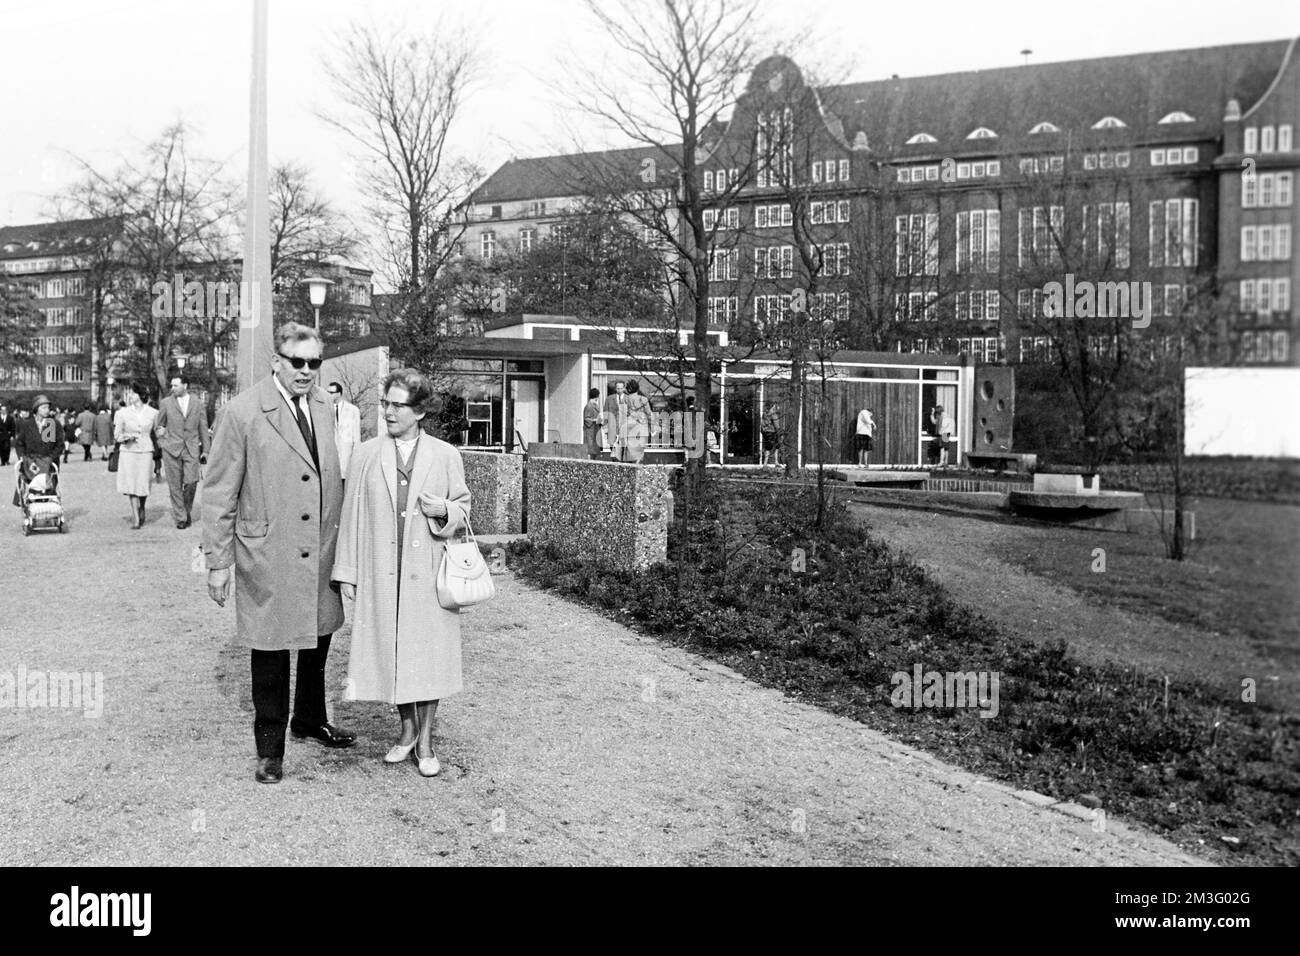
x=318, y=288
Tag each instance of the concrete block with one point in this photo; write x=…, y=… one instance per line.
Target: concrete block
x=609, y=512
x=496, y=489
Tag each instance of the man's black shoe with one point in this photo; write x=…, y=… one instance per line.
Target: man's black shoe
x=182, y=525
x=326, y=733
x=270, y=769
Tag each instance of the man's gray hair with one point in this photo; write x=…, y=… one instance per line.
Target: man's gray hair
x=294, y=332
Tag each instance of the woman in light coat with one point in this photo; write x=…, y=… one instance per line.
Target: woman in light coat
x=638, y=422
x=406, y=496
x=133, y=427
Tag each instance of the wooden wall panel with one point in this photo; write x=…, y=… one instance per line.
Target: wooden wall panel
x=894, y=406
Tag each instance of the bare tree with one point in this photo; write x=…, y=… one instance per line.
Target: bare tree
x=400, y=96
x=305, y=226
x=175, y=211
x=682, y=65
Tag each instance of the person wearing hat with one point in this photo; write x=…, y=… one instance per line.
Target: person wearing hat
x=38, y=436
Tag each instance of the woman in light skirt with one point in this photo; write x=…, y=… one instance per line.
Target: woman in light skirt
x=133, y=427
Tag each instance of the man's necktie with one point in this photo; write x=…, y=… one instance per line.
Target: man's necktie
x=307, y=434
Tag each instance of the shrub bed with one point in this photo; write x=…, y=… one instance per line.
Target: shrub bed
x=1219, y=774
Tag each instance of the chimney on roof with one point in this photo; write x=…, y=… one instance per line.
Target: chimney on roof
x=1233, y=113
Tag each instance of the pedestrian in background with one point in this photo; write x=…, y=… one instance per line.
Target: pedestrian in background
x=409, y=496
x=68, y=422
x=271, y=502
x=6, y=433
x=133, y=429
x=862, y=440
x=104, y=429
x=770, y=431
x=943, y=427
x=591, y=420
x=85, y=431
x=347, y=428
x=182, y=429
x=616, y=420
x=638, y=423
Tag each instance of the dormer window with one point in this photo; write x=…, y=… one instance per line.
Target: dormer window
x=982, y=133
x=1044, y=127
x=1177, y=116
x=1109, y=122
x=33, y=245
x=921, y=138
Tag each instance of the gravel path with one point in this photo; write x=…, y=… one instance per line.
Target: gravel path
x=576, y=741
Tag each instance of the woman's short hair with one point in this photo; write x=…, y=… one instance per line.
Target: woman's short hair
x=294, y=332
x=419, y=390
x=633, y=388
x=141, y=389
x=594, y=393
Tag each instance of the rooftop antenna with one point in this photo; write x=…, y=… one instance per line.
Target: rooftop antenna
x=1025, y=53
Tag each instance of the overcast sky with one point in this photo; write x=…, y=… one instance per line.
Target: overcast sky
x=98, y=79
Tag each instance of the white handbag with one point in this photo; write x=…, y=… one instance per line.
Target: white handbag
x=463, y=576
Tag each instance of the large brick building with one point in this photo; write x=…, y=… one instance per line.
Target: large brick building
x=937, y=208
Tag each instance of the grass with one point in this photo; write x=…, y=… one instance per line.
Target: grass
x=1246, y=556
x=1192, y=763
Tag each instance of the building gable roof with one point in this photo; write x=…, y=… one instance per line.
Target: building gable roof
x=1139, y=89
x=569, y=175
x=53, y=238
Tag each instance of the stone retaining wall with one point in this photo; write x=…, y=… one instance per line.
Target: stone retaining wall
x=496, y=488
x=608, y=512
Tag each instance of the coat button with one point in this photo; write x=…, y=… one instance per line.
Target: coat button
x=415, y=544
x=306, y=477
x=306, y=554
x=306, y=517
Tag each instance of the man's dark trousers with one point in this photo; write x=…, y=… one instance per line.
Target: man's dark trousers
x=271, y=694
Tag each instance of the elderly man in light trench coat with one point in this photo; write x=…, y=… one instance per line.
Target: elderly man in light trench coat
x=405, y=646
x=271, y=502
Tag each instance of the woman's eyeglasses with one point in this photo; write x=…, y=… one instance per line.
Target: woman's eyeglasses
x=312, y=364
x=386, y=405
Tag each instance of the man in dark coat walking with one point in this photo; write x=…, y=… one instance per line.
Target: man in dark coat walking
x=271, y=504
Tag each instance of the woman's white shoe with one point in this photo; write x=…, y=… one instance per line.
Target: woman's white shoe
x=429, y=766
x=399, y=752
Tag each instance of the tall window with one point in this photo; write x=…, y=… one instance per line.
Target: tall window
x=723, y=309
x=724, y=264
x=1250, y=142
x=1173, y=232
x=526, y=239
x=774, y=147
x=774, y=262
x=916, y=244
x=978, y=240
x=1040, y=230
x=1106, y=235
x=488, y=244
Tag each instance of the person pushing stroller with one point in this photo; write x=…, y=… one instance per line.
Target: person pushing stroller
x=39, y=443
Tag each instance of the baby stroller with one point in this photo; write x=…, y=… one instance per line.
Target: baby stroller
x=38, y=496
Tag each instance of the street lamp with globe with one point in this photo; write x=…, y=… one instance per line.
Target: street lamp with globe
x=318, y=289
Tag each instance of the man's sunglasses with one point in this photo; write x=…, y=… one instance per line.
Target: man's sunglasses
x=312, y=364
